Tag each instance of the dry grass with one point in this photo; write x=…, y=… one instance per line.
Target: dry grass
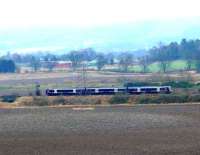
x=24, y=101
x=96, y=76
x=69, y=100
x=75, y=100
x=7, y=105
x=59, y=100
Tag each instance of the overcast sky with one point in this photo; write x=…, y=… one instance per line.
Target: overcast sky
x=75, y=13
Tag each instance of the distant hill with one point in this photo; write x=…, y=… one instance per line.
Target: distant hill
x=122, y=37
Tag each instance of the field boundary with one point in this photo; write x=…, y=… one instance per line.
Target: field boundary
x=97, y=106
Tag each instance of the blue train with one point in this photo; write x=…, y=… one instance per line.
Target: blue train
x=109, y=91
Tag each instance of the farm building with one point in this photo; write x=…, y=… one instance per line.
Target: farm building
x=63, y=64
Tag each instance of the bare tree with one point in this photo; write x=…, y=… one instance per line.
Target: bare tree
x=144, y=62
x=84, y=74
x=110, y=58
x=75, y=58
x=187, y=54
x=51, y=65
x=164, y=65
x=125, y=60
x=35, y=63
x=101, y=61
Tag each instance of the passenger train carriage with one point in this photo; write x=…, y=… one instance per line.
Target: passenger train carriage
x=109, y=91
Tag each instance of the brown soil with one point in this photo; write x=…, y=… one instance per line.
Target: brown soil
x=142, y=130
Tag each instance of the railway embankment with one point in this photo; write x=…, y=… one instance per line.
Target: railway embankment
x=101, y=100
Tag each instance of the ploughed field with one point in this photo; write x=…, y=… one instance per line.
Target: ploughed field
x=152, y=130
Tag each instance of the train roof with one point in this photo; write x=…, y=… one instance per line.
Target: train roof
x=110, y=87
x=149, y=86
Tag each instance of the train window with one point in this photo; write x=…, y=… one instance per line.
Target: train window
x=79, y=90
x=106, y=90
x=132, y=89
x=68, y=91
x=149, y=89
x=51, y=91
x=121, y=89
x=162, y=89
x=153, y=89
x=65, y=91
x=59, y=91
x=90, y=90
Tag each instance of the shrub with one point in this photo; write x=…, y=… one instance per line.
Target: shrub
x=9, y=98
x=119, y=99
x=98, y=101
x=144, y=100
x=194, y=98
x=136, y=84
x=24, y=101
x=59, y=101
x=163, y=99
x=172, y=99
x=7, y=66
x=140, y=84
x=175, y=84
x=179, y=84
x=40, y=101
